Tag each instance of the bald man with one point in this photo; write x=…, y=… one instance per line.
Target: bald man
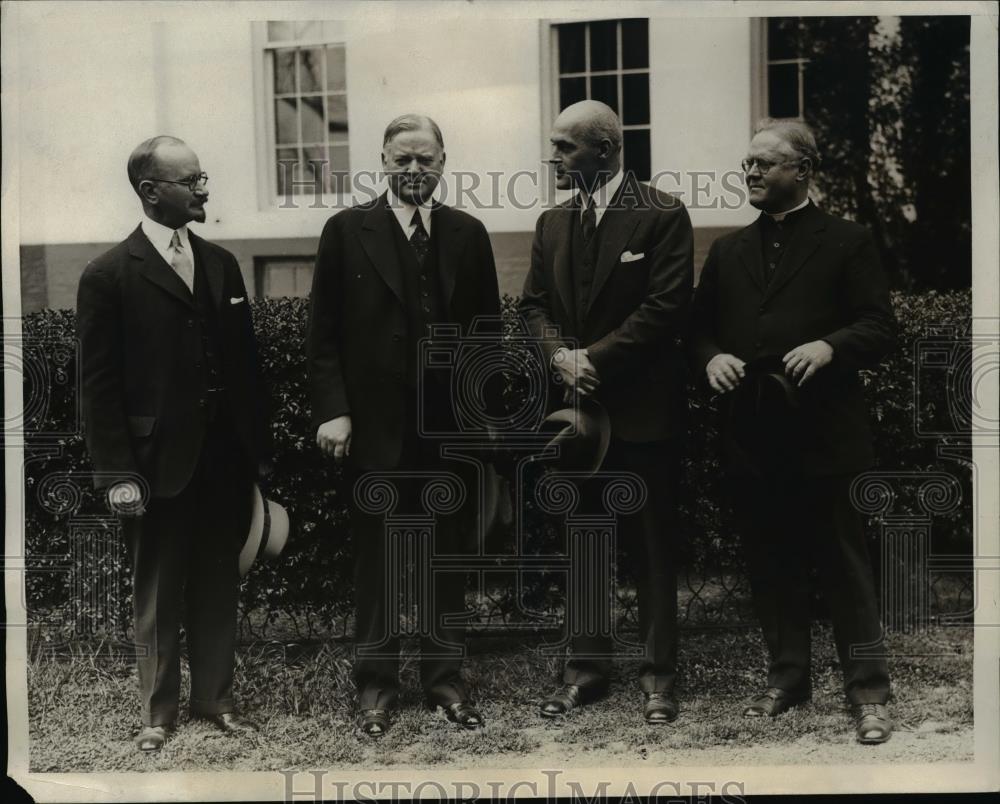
x=173, y=407
x=611, y=272
x=801, y=291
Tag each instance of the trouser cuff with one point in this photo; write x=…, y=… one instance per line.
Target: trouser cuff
x=220, y=707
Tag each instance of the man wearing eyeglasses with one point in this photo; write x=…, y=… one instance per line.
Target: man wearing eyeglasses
x=786, y=312
x=176, y=431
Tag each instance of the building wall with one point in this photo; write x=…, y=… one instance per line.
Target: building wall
x=89, y=91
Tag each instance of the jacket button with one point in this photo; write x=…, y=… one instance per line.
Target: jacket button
x=201, y=403
x=760, y=309
x=396, y=336
x=759, y=344
x=190, y=322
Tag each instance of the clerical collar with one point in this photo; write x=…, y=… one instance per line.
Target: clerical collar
x=778, y=217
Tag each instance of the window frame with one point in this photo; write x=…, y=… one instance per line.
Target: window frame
x=549, y=50
x=761, y=100
x=263, y=102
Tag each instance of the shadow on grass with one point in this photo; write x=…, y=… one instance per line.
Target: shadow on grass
x=83, y=711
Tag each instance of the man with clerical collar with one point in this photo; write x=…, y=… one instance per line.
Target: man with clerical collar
x=799, y=296
x=176, y=430
x=388, y=272
x=607, y=295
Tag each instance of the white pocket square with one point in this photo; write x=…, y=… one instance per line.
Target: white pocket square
x=239, y=300
x=628, y=256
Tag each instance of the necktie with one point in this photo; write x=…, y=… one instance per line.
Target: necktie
x=181, y=261
x=420, y=240
x=589, y=221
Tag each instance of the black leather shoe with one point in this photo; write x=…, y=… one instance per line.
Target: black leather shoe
x=568, y=697
x=230, y=723
x=773, y=702
x=374, y=722
x=151, y=738
x=871, y=723
x=660, y=707
x=463, y=713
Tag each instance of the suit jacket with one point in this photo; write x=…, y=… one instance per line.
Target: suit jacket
x=357, y=336
x=144, y=385
x=829, y=286
x=637, y=310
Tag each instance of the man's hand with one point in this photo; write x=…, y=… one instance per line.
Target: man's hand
x=576, y=370
x=724, y=372
x=125, y=498
x=805, y=360
x=334, y=437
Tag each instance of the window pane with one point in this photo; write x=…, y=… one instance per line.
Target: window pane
x=336, y=106
x=286, y=129
x=637, y=153
x=604, y=45
x=783, y=90
x=280, y=31
x=782, y=38
x=605, y=89
x=340, y=165
x=311, y=70
x=312, y=119
x=571, y=90
x=635, y=43
x=316, y=168
x=308, y=30
x=635, y=99
x=335, y=69
x=571, y=47
x=287, y=159
x=284, y=71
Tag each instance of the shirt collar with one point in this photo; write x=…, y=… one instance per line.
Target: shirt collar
x=404, y=214
x=603, y=196
x=778, y=217
x=160, y=235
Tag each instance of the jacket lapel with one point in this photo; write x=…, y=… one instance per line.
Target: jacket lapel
x=212, y=269
x=562, y=259
x=750, y=253
x=154, y=268
x=614, y=231
x=377, y=238
x=802, y=246
x=443, y=224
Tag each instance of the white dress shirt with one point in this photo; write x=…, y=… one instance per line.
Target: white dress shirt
x=603, y=197
x=404, y=214
x=160, y=236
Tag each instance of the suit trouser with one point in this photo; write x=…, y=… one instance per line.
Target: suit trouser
x=646, y=538
x=377, y=632
x=185, y=553
x=788, y=525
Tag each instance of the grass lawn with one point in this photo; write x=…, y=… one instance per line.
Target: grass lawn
x=83, y=712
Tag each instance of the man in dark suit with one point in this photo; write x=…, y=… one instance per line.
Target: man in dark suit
x=387, y=271
x=174, y=410
x=611, y=271
x=803, y=290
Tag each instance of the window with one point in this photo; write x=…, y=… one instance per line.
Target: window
x=305, y=80
x=608, y=60
x=282, y=276
x=785, y=68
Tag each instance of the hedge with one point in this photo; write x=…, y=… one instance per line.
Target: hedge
x=313, y=579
